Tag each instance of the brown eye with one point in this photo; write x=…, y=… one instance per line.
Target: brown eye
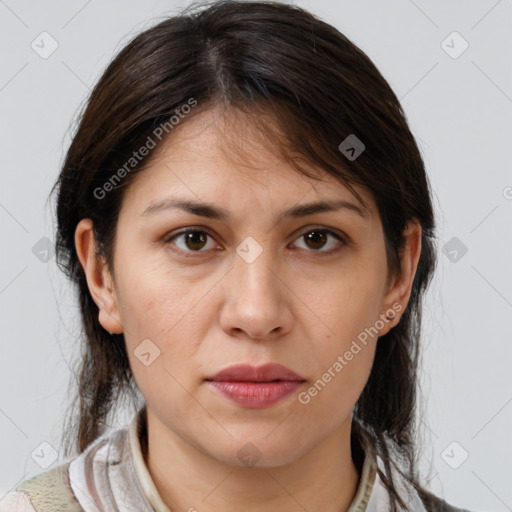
x=192, y=240
x=195, y=240
x=316, y=239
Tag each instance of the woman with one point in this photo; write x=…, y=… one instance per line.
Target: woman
x=248, y=222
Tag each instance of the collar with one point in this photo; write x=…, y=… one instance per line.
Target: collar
x=365, y=500
x=136, y=431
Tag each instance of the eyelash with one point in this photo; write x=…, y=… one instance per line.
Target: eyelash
x=189, y=253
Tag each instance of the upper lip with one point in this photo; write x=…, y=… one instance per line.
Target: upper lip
x=249, y=373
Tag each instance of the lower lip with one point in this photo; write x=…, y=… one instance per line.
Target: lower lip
x=257, y=395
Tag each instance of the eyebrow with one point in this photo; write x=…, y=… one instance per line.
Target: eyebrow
x=212, y=211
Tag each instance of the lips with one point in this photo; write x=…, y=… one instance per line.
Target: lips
x=269, y=372
x=256, y=387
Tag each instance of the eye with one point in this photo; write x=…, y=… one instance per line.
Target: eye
x=318, y=238
x=196, y=240
x=192, y=240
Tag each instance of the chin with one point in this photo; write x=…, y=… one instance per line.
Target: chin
x=258, y=452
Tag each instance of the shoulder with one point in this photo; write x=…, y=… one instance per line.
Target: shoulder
x=435, y=504
x=15, y=501
x=49, y=490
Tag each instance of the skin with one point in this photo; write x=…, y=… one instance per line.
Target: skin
x=295, y=304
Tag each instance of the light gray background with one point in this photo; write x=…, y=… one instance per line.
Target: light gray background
x=460, y=111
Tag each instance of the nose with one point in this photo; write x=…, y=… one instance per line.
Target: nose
x=257, y=298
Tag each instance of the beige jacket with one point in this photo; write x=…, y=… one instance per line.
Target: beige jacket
x=111, y=476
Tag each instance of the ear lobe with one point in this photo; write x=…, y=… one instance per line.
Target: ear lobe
x=99, y=279
x=397, y=296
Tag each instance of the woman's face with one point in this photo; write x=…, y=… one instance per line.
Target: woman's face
x=257, y=285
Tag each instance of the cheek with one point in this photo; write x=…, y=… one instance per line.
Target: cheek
x=336, y=386
x=153, y=296
x=346, y=305
x=167, y=309
x=162, y=344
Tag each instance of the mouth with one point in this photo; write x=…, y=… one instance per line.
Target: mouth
x=270, y=372
x=253, y=381
x=255, y=387
x=255, y=395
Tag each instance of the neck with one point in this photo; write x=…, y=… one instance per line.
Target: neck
x=323, y=479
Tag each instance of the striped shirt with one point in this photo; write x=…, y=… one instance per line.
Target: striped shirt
x=111, y=475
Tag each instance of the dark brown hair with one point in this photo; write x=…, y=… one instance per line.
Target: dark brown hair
x=307, y=88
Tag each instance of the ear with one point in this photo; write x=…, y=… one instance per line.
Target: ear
x=399, y=290
x=99, y=279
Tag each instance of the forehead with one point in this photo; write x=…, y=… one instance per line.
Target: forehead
x=222, y=157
